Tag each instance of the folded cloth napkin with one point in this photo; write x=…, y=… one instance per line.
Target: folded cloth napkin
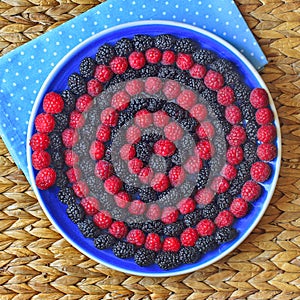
x=25, y=68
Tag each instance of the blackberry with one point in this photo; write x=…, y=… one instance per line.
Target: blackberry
x=186, y=189
x=87, y=67
x=149, y=71
x=57, y=159
x=204, y=57
x=175, y=111
x=248, y=111
x=151, y=136
x=208, y=97
x=130, y=74
x=169, y=164
x=196, y=84
x=104, y=241
x=107, y=154
x=144, y=257
x=69, y=100
x=164, y=41
x=241, y=91
x=250, y=152
x=118, y=214
x=219, y=141
x=55, y=141
x=88, y=130
x=225, y=234
x=105, y=54
x=94, y=184
x=82, y=148
x=119, y=167
x=177, y=158
x=174, y=229
x=124, y=47
x=224, y=200
x=222, y=128
x=114, y=83
x=88, y=228
x=133, y=181
x=137, y=104
x=77, y=84
x=61, y=179
x=66, y=195
x=187, y=143
x=215, y=165
x=231, y=77
x=185, y=45
x=130, y=188
x=117, y=138
x=75, y=212
x=189, y=255
x=235, y=187
x=143, y=151
x=135, y=222
x=251, y=130
x=61, y=122
x=193, y=218
x=124, y=117
x=182, y=77
x=158, y=164
x=202, y=177
x=153, y=226
x=206, y=243
x=215, y=110
x=210, y=211
x=243, y=172
x=142, y=42
x=167, y=260
x=169, y=197
x=167, y=72
x=155, y=104
x=188, y=124
x=102, y=101
x=221, y=65
x=106, y=201
x=147, y=194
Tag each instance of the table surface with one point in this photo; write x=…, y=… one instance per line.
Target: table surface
x=37, y=263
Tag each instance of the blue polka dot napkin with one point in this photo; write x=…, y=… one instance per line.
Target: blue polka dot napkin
x=25, y=68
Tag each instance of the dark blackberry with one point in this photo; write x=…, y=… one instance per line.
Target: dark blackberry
x=216, y=111
x=144, y=257
x=104, y=241
x=248, y=111
x=251, y=130
x=118, y=213
x=175, y=111
x=224, y=200
x=66, y=195
x=231, y=77
x=225, y=234
x=87, y=67
x=206, y=243
x=55, y=141
x=189, y=255
x=210, y=211
x=151, y=136
x=235, y=187
x=149, y=71
x=193, y=218
x=137, y=104
x=147, y=194
x=204, y=57
x=208, y=97
x=155, y=104
x=107, y=154
x=143, y=151
x=153, y=226
x=69, y=100
x=88, y=228
x=185, y=45
x=124, y=47
x=57, y=159
x=182, y=77
x=142, y=42
x=222, y=128
x=114, y=83
x=188, y=124
x=167, y=260
x=135, y=222
x=250, y=152
x=196, y=84
x=105, y=54
x=221, y=65
x=169, y=164
x=243, y=172
x=125, y=116
x=82, y=148
x=61, y=179
x=186, y=189
x=61, y=122
x=130, y=74
x=130, y=188
x=167, y=72
x=164, y=41
x=77, y=84
x=174, y=229
x=158, y=164
x=169, y=197
x=75, y=212
x=178, y=158
x=202, y=177
x=241, y=91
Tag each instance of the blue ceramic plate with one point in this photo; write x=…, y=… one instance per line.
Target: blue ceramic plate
x=57, y=81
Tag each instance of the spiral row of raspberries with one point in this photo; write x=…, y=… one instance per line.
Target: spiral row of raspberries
x=156, y=147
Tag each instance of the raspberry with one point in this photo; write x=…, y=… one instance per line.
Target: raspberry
x=39, y=141
x=266, y=152
x=97, y=150
x=40, y=159
x=213, y=80
x=225, y=96
x=153, y=55
x=186, y=205
x=122, y=199
x=118, y=229
x=103, y=169
x=84, y=103
x=204, y=196
x=224, y=218
x=259, y=98
x=176, y=176
x=260, y=171
x=81, y=189
x=250, y=191
x=136, y=60
x=168, y=57
x=69, y=137
x=134, y=87
x=73, y=174
x=133, y=134
x=169, y=214
x=233, y=114
x=103, y=133
x=109, y=117
x=127, y=152
x=136, y=237
x=113, y=185
x=205, y=130
x=171, y=244
x=237, y=136
x=153, y=212
x=153, y=242
x=53, y=103
x=120, y=100
x=229, y=172
x=199, y=112
x=173, y=131
x=239, y=207
x=44, y=123
x=45, y=178
x=171, y=89
x=153, y=85
x=94, y=87
x=160, y=182
x=103, y=73
x=205, y=149
x=90, y=205
x=76, y=119
x=205, y=227
x=102, y=219
x=197, y=71
x=164, y=148
x=193, y=164
x=266, y=133
x=119, y=65
x=143, y=118
x=160, y=119
x=184, y=61
x=146, y=175
x=135, y=166
x=219, y=185
x=187, y=99
x=235, y=155
x=264, y=116
x=189, y=237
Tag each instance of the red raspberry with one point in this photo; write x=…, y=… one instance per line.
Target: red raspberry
x=204, y=196
x=177, y=176
x=235, y=155
x=164, y=148
x=171, y=89
x=197, y=71
x=239, y=207
x=205, y=149
x=97, y=150
x=224, y=218
x=90, y=205
x=199, y=112
x=71, y=158
x=102, y=219
x=205, y=130
x=237, y=136
x=233, y=114
x=45, y=178
x=73, y=174
x=40, y=159
x=76, y=119
x=136, y=60
x=133, y=134
x=134, y=87
x=127, y=152
x=120, y=100
x=84, y=103
x=189, y=237
x=118, y=229
x=153, y=55
x=53, y=103
x=137, y=207
x=229, y=172
x=213, y=80
x=119, y=65
x=160, y=182
x=186, y=205
x=173, y=131
x=103, y=169
x=143, y=118
x=81, y=189
x=225, y=96
x=44, y=123
x=259, y=98
x=109, y=117
x=122, y=199
x=112, y=185
x=260, y=171
x=193, y=164
x=266, y=133
x=169, y=214
x=171, y=244
x=136, y=237
x=250, y=191
x=264, y=116
x=153, y=212
x=103, y=133
x=205, y=227
x=153, y=85
x=160, y=119
x=135, y=166
x=94, y=87
x=70, y=137
x=187, y=99
x=39, y=141
x=184, y=61
x=168, y=57
x=266, y=152
x=146, y=175
x=220, y=185
x=153, y=242
x=103, y=73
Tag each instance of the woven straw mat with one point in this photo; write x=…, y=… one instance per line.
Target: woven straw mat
x=37, y=263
